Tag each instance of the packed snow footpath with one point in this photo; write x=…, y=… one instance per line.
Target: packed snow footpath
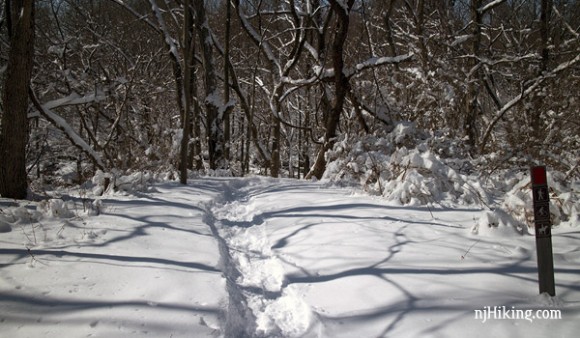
x=261, y=257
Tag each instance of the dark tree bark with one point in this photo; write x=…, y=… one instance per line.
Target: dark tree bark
x=214, y=116
x=14, y=132
x=341, y=86
x=472, y=105
x=227, y=113
x=536, y=112
x=188, y=68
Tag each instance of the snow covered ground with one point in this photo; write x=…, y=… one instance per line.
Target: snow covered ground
x=146, y=266
x=272, y=258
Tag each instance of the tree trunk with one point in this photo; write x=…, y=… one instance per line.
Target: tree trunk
x=187, y=91
x=536, y=111
x=227, y=113
x=14, y=132
x=304, y=145
x=275, y=163
x=341, y=85
x=197, y=151
x=471, y=100
x=214, y=122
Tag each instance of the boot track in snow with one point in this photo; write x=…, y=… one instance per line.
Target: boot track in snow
x=260, y=302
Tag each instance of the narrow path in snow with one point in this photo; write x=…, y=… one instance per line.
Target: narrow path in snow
x=302, y=259
x=259, y=302
x=261, y=257
x=239, y=320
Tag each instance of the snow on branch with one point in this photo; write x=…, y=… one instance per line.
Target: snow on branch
x=325, y=74
x=168, y=39
x=460, y=39
x=73, y=99
x=489, y=6
x=506, y=59
x=376, y=62
x=566, y=24
x=491, y=63
x=535, y=84
x=61, y=124
x=259, y=40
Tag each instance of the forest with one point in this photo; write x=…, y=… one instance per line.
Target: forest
x=338, y=89
x=289, y=168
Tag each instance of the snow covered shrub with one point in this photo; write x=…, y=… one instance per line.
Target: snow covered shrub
x=101, y=181
x=452, y=151
x=56, y=208
x=17, y=214
x=442, y=143
x=217, y=173
x=116, y=181
x=362, y=162
x=497, y=223
x=421, y=177
x=5, y=221
x=20, y=215
x=404, y=167
x=564, y=202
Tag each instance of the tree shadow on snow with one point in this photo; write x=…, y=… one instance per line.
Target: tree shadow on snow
x=393, y=314
x=24, y=253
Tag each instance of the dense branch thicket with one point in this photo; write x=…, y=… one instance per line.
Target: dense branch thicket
x=274, y=87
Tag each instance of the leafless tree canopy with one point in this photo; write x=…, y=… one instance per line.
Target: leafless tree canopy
x=271, y=86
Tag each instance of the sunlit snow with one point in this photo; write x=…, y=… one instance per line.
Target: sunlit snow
x=270, y=258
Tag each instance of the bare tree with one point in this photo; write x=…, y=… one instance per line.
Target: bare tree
x=281, y=59
x=341, y=85
x=471, y=100
x=189, y=78
x=291, y=80
x=14, y=132
x=545, y=17
x=215, y=114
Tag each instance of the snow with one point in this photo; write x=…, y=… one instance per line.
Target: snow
x=73, y=99
x=146, y=265
x=270, y=257
x=379, y=61
x=66, y=128
x=490, y=5
x=171, y=43
x=460, y=39
x=325, y=73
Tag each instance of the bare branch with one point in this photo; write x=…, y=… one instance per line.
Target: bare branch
x=490, y=6
x=61, y=124
x=536, y=83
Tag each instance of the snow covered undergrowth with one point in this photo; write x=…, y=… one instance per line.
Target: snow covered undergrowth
x=274, y=258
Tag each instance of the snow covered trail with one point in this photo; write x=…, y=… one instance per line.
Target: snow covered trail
x=262, y=257
x=316, y=261
x=146, y=266
x=260, y=305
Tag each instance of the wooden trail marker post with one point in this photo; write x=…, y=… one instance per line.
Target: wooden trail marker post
x=543, y=225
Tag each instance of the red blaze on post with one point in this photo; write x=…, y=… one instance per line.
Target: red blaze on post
x=539, y=175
